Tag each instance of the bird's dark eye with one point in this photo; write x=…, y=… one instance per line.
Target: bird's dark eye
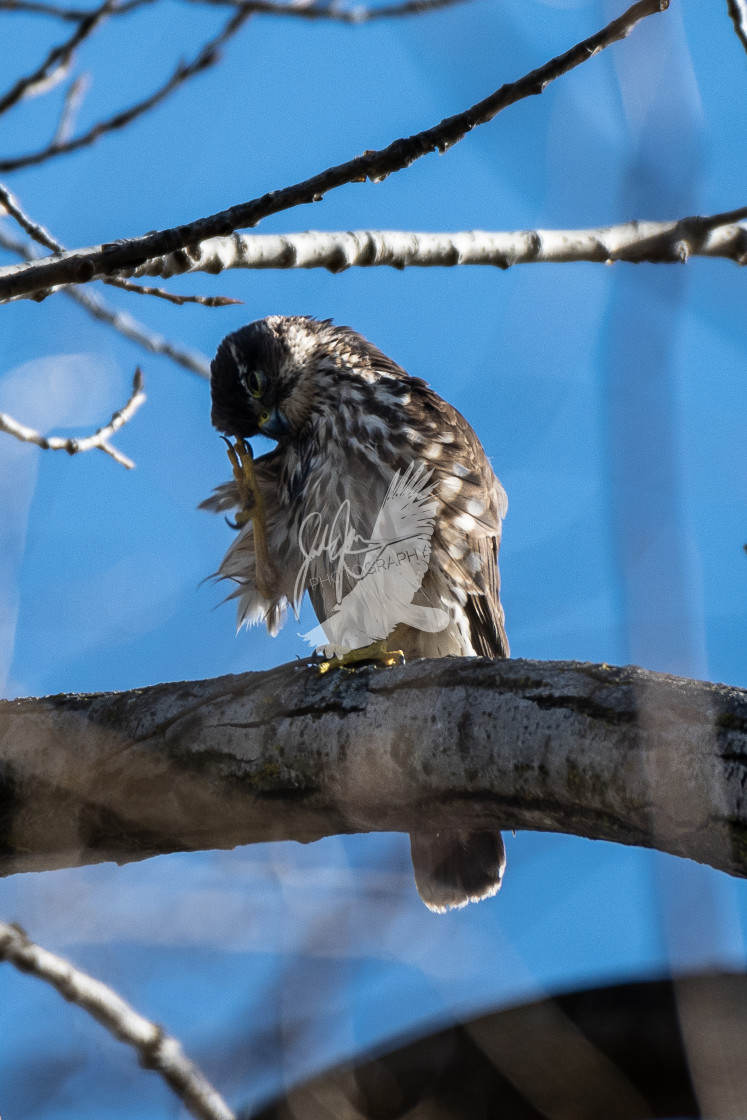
x=257, y=383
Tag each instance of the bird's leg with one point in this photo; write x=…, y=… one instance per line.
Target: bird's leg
x=377, y=651
x=252, y=509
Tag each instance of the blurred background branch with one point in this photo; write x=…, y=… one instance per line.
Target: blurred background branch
x=98, y=441
x=156, y=1050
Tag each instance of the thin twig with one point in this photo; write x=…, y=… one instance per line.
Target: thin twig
x=42, y=235
x=332, y=11
x=84, y=265
x=207, y=57
x=70, y=15
x=156, y=1050
x=121, y=321
x=99, y=439
x=738, y=13
x=657, y=242
x=57, y=60
x=172, y=297
x=307, y=11
x=73, y=101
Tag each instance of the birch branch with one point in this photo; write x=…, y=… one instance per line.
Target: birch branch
x=658, y=242
x=156, y=1050
x=609, y=753
x=120, y=321
x=100, y=438
x=83, y=265
x=738, y=13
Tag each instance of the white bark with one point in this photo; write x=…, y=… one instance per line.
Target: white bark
x=658, y=242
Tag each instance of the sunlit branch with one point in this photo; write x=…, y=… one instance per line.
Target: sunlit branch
x=155, y=1049
x=83, y=265
x=56, y=63
x=609, y=753
x=658, y=242
x=208, y=56
x=738, y=13
x=100, y=438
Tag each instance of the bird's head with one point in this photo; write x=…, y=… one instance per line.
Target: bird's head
x=283, y=375
x=268, y=377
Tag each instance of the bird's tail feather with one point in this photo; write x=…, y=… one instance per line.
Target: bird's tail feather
x=455, y=867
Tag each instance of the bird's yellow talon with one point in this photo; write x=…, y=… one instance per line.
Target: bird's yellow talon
x=377, y=651
x=252, y=509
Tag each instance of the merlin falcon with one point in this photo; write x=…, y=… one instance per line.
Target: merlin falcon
x=380, y=502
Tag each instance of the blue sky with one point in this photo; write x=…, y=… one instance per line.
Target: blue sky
x=611, y=401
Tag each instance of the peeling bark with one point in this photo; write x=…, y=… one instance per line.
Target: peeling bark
x=609, y=753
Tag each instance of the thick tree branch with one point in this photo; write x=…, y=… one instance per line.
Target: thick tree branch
x=100, y=438
x=614, y=754
x=155, y=1049
x=659, y=242
x=83, y=265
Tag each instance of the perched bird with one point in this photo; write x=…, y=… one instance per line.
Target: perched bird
x=378, y=500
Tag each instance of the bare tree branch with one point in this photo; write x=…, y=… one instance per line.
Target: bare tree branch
x=71, y=15
x=121, y=321
x=660, y=242
x=156, y=1050
x=173, y=297
x=83, y=265
x=42, y=236
x=207, y=57
x=332, y=11
x=738, y=13
x=56, y=63
x=301, y=9
x=614, y=754
x=99, y=439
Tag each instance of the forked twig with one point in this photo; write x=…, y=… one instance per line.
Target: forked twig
x=99, y=439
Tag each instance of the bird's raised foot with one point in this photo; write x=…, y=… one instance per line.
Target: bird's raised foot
x=252, y=509
x=241, y=459
x=376, y=652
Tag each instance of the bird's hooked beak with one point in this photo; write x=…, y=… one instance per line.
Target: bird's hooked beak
x=273, y=424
